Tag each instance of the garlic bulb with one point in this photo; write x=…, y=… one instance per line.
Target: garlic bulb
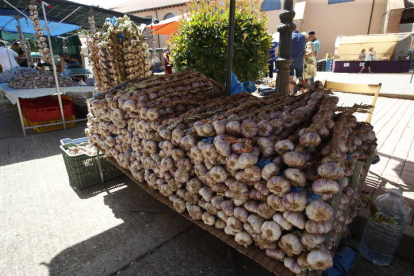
x=194, y=211
x=295, y=201
x=269, y=170
x=294, y=159
x=278, y=185
x=196, y=155
x=244, y=239
x=284, y=146
x=241, y=214
x=234, y=224
x=276, y=203
x=326, y=197
x=229, y=231
x=252, y=206
x=194, y=185
x=320, y=259
x=282, y=222
x=290, y=244
x=331, y=171
x=310, y=139
x=222, y=215
x=220, y=224
x=276, y=254
x=208, y=218
x=266, y=146
x=227, y=207
x=319, y=210
x=217, y=174
x=256, y=222
x=297, y=219
x=246, y=160
x=233, y=128
x=271, y=231
x=206, y=193
x=219, y=127
x=296, y=177
x=262, y=188
x=216, y=201
x=323, y=186
x=250, y=174
x=302, y=260
x=311, y=240
x=249, y=128
x=265, y=128
x=315, y=227
x=223, y=147
x=292, y=265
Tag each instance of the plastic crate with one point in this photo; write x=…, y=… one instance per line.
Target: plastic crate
x=83, y=169
x=46, y=108
x=49, y=128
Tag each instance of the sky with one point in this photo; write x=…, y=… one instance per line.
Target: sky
x=102, y=3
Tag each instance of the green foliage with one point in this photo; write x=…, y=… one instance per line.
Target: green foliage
x=200, y=42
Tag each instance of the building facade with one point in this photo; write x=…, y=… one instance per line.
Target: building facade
x=328, y=18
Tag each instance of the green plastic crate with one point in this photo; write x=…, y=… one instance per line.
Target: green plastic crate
x=83, y=169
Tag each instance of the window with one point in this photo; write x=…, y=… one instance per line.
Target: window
x=271, y=5
x=169, y=15
x=339, y=1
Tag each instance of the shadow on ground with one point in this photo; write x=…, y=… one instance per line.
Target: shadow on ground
x=152, y=240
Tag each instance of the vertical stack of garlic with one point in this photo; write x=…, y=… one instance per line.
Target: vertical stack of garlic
x=41, y=40
x=118, y=53
x=262, y=169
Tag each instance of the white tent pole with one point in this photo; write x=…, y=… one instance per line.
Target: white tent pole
x=65, y=18
x=53, y=64
x=17, y=9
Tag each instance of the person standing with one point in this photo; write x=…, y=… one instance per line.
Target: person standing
x=368, y=58
x=272, y=59
x=167, y=64
x=309, y=66
x=316, y=42
x=22, y=60
x=7, y=58
x=296, y=55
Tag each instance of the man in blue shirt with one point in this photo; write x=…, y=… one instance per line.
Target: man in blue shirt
x=296, y=55
x=316, y=43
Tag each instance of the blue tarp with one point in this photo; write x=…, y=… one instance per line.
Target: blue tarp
x=9, y=23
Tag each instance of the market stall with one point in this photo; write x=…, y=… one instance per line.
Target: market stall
x=62, y=10
x=391, y=53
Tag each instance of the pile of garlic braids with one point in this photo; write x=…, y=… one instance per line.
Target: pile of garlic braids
x=41, y=40
x=253, y=167
x=118, y=53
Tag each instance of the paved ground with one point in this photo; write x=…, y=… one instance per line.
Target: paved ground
x=49, y=228
x=392, y=121
x=391, y=83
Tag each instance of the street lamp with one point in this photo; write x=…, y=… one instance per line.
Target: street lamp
x=283, y=62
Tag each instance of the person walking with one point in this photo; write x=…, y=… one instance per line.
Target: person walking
x=362, y=55
x=316, y=42
x=309, y=64
x=368, y=58
x=7, y=58
x=296, y=55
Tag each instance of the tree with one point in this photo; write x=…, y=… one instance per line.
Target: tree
x=200, y=41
